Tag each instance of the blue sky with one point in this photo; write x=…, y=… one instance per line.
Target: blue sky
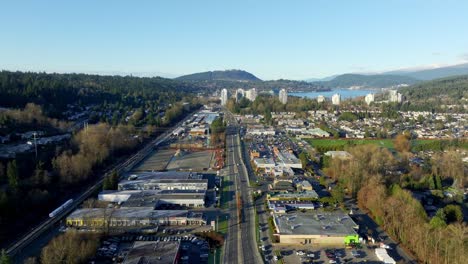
x=272, y=39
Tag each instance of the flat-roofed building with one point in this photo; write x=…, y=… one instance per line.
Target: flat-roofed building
x=129, y=217
x=289, y=160
x=292, y=196
x=164, y=184
x=304, y=186
x=314, y=228
x=155, y=198
x=265, y=163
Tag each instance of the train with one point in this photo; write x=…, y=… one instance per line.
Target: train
x=60, y=208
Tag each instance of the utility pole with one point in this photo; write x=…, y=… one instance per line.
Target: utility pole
x=35, y=143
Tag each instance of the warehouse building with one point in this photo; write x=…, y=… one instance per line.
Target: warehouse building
x=131, y=217
x=164, y=184
x=314, y=228
x=155, y=198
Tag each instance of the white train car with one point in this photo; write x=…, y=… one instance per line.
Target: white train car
x=61, y=208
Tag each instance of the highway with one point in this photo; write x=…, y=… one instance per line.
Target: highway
x=121, y=168
x=241, y=245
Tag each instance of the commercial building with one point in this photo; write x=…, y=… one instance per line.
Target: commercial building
x=267, y=164
x=314, y=228
x=369, y=98
x=283, y=96
x=171, y=184
x=261, y=131
x=131, y=217
x=282, y=207
x=292, y=196
x=150, y=252
x=224, y=96
x=288, y=160
x=167, y=180
x=155, y=198
x=336, y=99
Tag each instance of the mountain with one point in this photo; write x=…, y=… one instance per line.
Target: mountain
x=328, y=78
x=451, y=90
x=367, y=81
x=228, y=75
x=431, y=74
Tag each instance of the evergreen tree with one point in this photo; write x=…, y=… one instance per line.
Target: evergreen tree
x=4, y=258
x=114, y=180
x=12, y=174
x=106, y=185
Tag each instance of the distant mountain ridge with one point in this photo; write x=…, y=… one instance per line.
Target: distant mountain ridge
x=389, y=77
x=227, y=75
x=437, y=73
x=367, y=81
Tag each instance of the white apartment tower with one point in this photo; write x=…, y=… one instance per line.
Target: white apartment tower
x=239, y=94
x=336, y=99
x=251, y=94
x=283, y=96
x=395, y=96
x=369, y=98
x=320, y=99
x=224, y=96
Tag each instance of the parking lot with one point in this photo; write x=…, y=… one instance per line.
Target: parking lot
x=306, y=254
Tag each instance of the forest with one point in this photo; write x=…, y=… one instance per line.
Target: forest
x=55, y=91
x=369, y=176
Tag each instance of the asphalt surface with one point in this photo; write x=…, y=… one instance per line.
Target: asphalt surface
x=241, y=246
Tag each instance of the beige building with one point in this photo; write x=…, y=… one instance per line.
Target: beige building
x=314, y=228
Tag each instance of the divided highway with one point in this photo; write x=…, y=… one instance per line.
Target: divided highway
x=241, y=244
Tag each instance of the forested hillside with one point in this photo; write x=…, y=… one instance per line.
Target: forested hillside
x=448, y=90
x=373, y=81
x=54, y=91
x=229, y=75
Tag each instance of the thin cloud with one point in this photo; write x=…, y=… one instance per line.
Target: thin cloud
x=463, y=57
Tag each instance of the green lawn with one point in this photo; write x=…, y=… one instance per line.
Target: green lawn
x=319, y=142
x=324, y=145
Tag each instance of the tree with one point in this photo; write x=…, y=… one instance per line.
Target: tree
x=114, y=180
x=4, y=258
x=402, y=143
x=12, y=173
x=453, y=213
x=106, y=184
x=304, y=159
x=71, y=247
x=338, y=193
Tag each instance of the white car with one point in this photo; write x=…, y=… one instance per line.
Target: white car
x=300, y=253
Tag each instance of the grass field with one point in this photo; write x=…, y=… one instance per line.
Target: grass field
x=387, y=143
x=338, y=144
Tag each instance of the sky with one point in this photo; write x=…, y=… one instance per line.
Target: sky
x=271, y=39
